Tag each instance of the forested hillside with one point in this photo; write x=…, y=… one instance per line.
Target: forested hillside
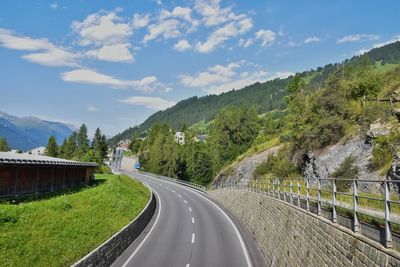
x=263, y=97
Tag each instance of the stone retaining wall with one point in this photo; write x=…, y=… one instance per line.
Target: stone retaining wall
x=289, y=236
x=110, y=250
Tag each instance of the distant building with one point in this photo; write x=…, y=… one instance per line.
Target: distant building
x=28, y=174
x=201, y=138
x=124, y=144
x=39, y=151
x=180, y=138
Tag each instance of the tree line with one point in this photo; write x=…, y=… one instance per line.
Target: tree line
x=231, y=134
x=78, y=147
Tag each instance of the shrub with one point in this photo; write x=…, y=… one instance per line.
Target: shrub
x=384, y=148
x=346, y=170
x=279, y=166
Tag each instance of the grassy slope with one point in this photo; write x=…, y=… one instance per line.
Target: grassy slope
x=60, y=229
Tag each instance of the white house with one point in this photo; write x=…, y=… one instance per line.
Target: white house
x=180, y=138
x=38, y=151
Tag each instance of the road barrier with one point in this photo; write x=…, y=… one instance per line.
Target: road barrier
x=182, y=182
x=299, y=192
x=110, y=250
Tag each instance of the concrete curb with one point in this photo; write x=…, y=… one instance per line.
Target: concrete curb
x=112, y=248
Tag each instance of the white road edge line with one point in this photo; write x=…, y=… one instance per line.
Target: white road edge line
x=148, y=234
x=244, y=248
x=193, y=236
x=192, y=220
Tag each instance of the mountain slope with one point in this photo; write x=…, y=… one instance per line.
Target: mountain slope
x=263, y=97
x=30, y=132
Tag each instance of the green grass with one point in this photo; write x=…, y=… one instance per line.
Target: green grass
x=201, y=127
x=57, y=229
x=384, y=68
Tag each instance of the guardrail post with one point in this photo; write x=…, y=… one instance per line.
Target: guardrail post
x=291, y=191
x=356, y=225
x=298, y=193
x=334, y=217
x=319, y=197
x=307, y=194
x=279, y=188
x=388, y=231
x=284, y=189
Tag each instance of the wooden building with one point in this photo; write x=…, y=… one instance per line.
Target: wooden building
x=28, y=174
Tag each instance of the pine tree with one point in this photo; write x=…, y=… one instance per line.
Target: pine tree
x=63, y=149
x=71, y=147
x=52, y=148
x=104, y=147
x=83, y=141
x=4, y=147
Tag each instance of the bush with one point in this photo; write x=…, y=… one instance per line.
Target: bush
x=279, y=166
x=103, y=169
x=384, y=148
x=346, y=170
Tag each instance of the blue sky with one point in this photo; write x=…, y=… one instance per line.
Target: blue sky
x=111, y=64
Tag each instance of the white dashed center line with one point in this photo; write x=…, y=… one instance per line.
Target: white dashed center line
x=190, y=209
x=173, y=190
x=193, y=236
x=192, y=220
x=188, y=265
x=185, y=202
x=180, y=195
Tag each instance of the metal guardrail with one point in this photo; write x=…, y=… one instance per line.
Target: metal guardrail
x=299, y=189
x=190, y=184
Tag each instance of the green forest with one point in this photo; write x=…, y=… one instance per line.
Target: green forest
x=309, y=118
x=262, y=97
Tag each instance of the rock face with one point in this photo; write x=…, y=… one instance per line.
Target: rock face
x=243, y=171
x=377, y=129
x=327, y=162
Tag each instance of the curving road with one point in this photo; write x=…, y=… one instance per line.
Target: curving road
x=188, y=229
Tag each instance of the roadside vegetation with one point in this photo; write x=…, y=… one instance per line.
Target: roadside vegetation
x=78, y=147
x=57, y=229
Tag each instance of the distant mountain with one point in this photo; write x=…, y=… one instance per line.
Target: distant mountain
x=30, y=132
x=263, y=97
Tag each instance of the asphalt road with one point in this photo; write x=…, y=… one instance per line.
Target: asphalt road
x=188, y=229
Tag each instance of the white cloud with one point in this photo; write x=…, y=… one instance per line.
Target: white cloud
x=54, y=5
x=164, y=28
x=86, y=76
x=394, y=39
x=113, y=53
x=246, y=43
x=46, y=53
x=182, y=45
x=224, y=33
x=267, y=37
x=361, y=51
x=155, y=103
x=140, y=21
x=108, y=35
x=92, y=108
x=214, y=75
x=102, y=28
x=357, y=38
x=183, y=12
x=213, y=14
x=312, y=39
x=223, y=78
x=377, y=45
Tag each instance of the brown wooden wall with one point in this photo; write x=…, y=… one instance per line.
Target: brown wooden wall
x=32, y=179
